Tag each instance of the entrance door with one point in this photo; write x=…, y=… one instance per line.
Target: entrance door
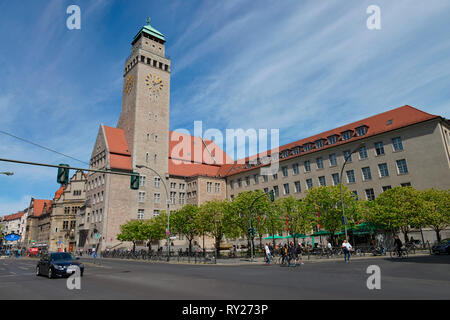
x=71, y=247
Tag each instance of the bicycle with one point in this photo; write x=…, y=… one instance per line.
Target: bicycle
x=402, y=253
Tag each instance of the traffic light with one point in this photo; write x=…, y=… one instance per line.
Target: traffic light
x=134, y=184
x=272, y=196
x=63, y=174
x=252, y=232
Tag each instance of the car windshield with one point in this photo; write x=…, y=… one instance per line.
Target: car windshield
x=61, y=256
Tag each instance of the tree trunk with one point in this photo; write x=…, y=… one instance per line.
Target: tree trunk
x=438, y=234
x=190, y=247
x=218, y=247
x=134, y=246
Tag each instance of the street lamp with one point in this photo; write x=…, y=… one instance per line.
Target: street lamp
x=7, y=173
x=168, y=208
x=344, y=219
x=251, y=233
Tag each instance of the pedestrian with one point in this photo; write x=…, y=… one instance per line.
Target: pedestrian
x=267, y=253
x=346, y=247
x=398, y=245
x=299, y=252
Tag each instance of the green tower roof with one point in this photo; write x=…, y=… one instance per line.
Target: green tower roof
x=148, y=29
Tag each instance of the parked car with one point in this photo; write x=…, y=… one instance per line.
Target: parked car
x=442, y=247
x=58, y=264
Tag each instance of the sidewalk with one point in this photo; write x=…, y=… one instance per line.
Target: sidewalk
x=246, y=261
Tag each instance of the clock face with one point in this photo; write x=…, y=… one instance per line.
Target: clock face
x=128, y=84
x=154, y=84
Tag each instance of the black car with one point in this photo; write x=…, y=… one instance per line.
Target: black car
x=442, y=247
x=58, y=264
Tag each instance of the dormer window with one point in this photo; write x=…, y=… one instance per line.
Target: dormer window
x=346, y=135
x=285, y=153
x=319, y=143
x=296, y=150
x=332, y=139
x=360, y=131
x=307, y=146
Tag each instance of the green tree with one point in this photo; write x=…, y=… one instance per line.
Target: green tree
x=296, y=216
x=216, y=218
x=254, y=205
x=155, y=228
x=398, y=209
x=273, y=220
x=325, y=203
x=132, y=231
x=436, y=210
x=185, y=221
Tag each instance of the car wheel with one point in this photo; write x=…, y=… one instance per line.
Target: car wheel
x=50, y=273
x=38, y=272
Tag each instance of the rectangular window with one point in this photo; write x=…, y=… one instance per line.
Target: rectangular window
x=333, y=161
x=383, y=169
x=309, y=183
x=155, y=213
x=385, y=188
x=370, y=195
x=266, y=190
x=173, y=197
x=402, y=167
x=275, y=176
x=217, y=187
x=406, y=184
x=209, y=187
x=231, y=184
x=363, y=152
x=140, y=214
x=239, y=182
x=319, y=162
x=142, y=181
x=255, y=178
x=297, y=186
x=335, y=177
x=379, y=148
x=286, y=188
x=276, y=191
x=307, y=147
x=65, y=225
x=157, y=182
x=366, y=173
x=285, y=171
x=397, y=143
x=181, y=186
x=247, y=180
x=319, y=144
x=295, y=168
x=347, y=156
x=182, y=198
x=265, y=178
x=141, y=196
x=173, y=185
x=322, y=181
x=157, y=197
x=307, y=165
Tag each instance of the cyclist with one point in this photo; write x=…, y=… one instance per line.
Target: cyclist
x=398, y=245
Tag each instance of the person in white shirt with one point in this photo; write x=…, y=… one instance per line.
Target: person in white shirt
x=347, y=247
x=329, y=247
x=267, y=253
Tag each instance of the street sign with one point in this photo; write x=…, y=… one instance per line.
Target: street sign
x=167, y=232
x=12, y=237
x=344, y=220
x=97, y=236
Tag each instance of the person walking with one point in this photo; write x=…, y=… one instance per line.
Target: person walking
x=398, y=245
x=299, y=253
x=267, y=253
x=346, y=247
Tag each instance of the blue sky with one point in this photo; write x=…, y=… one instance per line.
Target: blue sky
x=300, y=66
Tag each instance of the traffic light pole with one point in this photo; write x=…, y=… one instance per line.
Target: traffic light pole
x=66, y=167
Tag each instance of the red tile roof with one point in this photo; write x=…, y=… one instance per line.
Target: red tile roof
x=383, y=122
x=39, y=206
x=13, y=216
x=59, y=193
x=189, y=169
x=120, y=156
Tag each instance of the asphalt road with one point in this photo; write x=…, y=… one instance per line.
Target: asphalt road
x=425, y=277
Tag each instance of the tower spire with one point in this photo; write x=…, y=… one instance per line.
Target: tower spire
x=148, y=21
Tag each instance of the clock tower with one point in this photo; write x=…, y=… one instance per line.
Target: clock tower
x=144, y=118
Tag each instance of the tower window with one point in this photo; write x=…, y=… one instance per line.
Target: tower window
x=160, y=65
x=148, y=60
x=166, y=67
x=154, y=63
x=142, y=59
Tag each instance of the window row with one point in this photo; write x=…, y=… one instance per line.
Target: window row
x=146, y=60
